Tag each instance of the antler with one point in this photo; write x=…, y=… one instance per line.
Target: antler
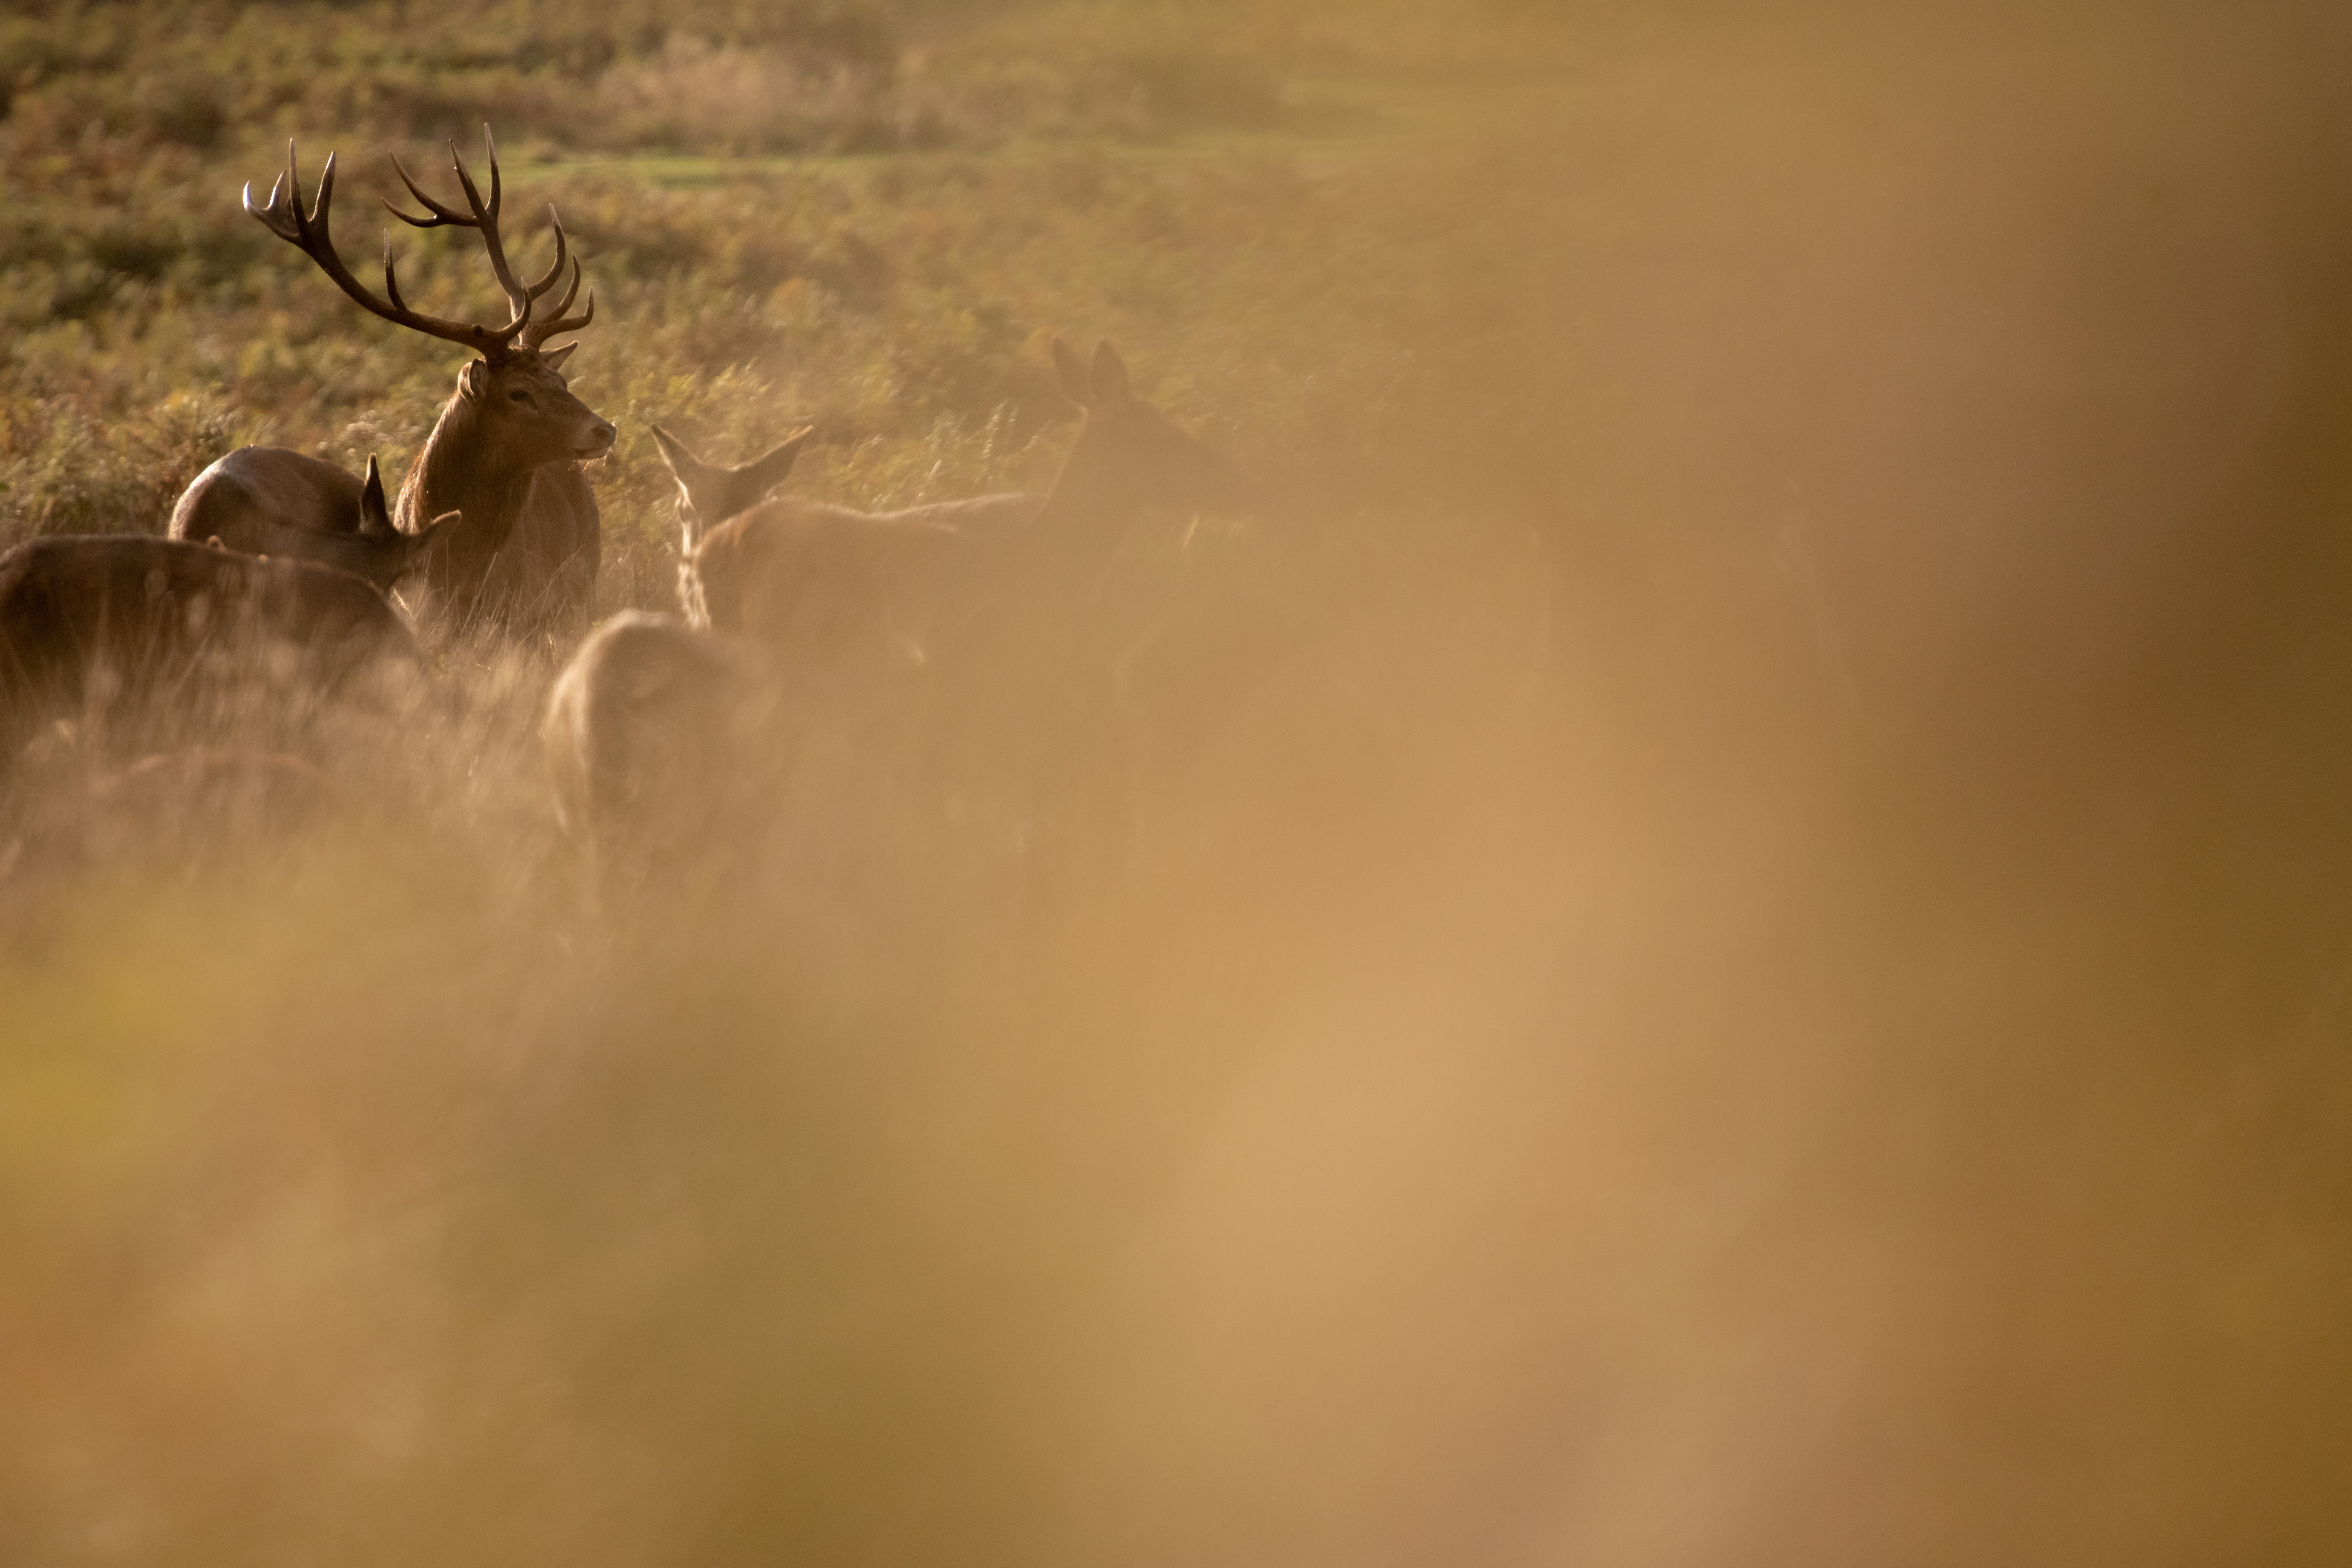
x=284, y=216
x=538, y=333
x=483, y=216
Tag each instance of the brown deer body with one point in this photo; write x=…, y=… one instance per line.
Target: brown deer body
x=816, y=583
x=270, y=501
x=1020, y=607
x=506, y=451
x=823, y=584
x=90, y=622
x=655, y=736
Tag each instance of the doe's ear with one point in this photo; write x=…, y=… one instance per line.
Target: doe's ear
x=756, y=479
x=1109, y=377
x=474, y=381
x=553, y=358
x=1071, y=370
x=418, y=540
x=375, y=517
x=676, y=454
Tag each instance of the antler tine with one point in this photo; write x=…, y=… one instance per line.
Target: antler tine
x=547, y=281
x=440, y=216
x=391, y=282
x=491, y=142
x=466, y=182
x=539, y=333
x=272, y=217
x=485, y=218
x=322, y=207
x=281, y=219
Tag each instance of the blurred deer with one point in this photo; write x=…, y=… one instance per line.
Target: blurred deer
x=92, y=624
x=256, y=498
x=655, y=736
x=1009, y=601
x=738, y=554
x=506, y=452
x=820, y=584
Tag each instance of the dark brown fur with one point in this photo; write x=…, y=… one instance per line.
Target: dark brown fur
x=274, y=502
x=506, y=454
x=89, y=623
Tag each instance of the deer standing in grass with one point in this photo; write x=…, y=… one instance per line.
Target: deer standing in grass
x=254, y=500
x=505, y=453
x=659, y=741
x=1020, y=607
x=92, y=623
x=821, y=585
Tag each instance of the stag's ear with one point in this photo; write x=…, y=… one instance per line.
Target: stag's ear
x=474, y=381
x=553, y=358
x=375, y=517
x=1076, y=385
x=1109, y=377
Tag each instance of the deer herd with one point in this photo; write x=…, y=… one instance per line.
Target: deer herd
x=306, y=574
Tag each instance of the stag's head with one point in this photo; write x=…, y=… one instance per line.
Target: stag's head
x=1129, y=445
x=524, y=405
x=708, y=495
x=516, y=389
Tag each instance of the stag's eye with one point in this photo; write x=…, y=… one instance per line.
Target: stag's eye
x=520, y=395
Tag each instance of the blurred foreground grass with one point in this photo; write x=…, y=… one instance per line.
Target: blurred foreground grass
x=1762, y=980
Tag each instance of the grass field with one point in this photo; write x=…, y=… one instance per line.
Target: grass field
x=1754, y=970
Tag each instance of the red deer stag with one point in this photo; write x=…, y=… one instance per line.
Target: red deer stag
x=256, y=499
x=506, y=451
x=820, y=584
x=91, y=622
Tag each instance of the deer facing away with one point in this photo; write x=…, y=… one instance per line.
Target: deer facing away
x=255, y=499
x=505, y=453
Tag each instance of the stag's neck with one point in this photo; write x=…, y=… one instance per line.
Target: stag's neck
x=460, y=470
